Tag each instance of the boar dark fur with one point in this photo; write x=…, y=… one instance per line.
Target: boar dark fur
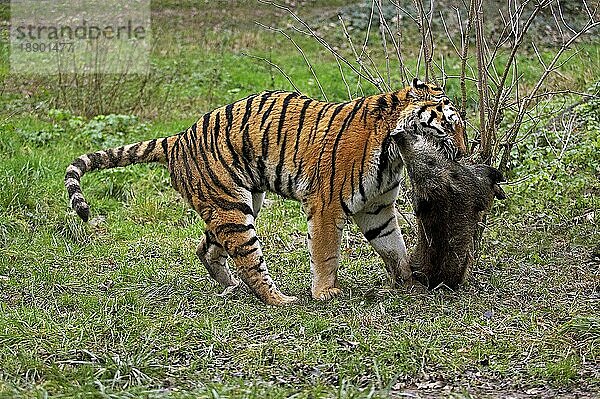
x=449, y=201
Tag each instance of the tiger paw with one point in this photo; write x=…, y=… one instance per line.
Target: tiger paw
x=280, y=299
x=325, y=294
x=230, y=289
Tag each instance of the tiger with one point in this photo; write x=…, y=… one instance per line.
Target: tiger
x=339, y=160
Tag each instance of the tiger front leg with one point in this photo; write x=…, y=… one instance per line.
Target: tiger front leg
x=380, y=227
x=235, y=230
x=324, y=239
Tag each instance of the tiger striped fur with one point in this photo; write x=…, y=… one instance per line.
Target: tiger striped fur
x=339, y=160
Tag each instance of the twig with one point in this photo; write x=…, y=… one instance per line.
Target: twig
x=274, y=65
x=344, y=79
x=310, y=67
x=511, y=134
x=486, y=139
x=353, y=49
x=518, y=41
x=321, y=41
x=386, y=54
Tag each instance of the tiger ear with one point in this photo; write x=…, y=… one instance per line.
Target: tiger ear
x=418, y=83
x=415, y=87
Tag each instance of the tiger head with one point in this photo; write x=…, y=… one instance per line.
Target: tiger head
x=433, y=116
x=421, y=91
x=430, y=113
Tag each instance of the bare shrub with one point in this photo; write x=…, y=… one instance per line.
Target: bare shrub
x=487, y=42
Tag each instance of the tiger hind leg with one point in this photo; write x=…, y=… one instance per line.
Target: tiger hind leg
x=235, y=230
x=214, y=257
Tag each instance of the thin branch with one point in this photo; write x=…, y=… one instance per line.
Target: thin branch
x=402, y=66
x=525, y=102
x=562, y=18
x=486, y=139
x=448, y=35
x=344, y=79
x=310, y=67
x=356, y=56
x=285, y=75
x=511, y=57
x=464, y=39
x=385, y=28
x=322, y=42
x=379, y=79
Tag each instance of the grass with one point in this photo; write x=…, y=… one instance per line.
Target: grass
x=120, y=307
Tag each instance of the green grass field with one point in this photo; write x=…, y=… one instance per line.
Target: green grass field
x=121, y=308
